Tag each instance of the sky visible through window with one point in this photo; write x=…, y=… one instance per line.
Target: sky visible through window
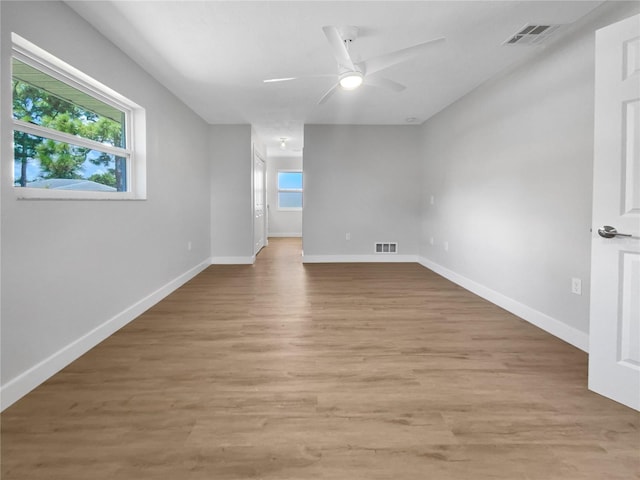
x=290, y=190
x=289, y=180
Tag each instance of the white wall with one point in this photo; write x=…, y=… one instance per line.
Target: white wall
x=282, y=223
x=510, y=168
x=232, y=194
x=74, y=271
x=362, y=180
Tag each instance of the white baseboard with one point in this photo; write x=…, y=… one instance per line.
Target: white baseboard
x=541, y=320
x=287, y=235
x=19, y=386
x=233, y=260
x=381, y=258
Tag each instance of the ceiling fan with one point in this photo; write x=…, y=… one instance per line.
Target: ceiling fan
x=352, y=74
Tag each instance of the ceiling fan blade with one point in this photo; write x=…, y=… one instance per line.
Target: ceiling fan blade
x=328, y=95
x=376, y=64
x=287, y=79
x=275, y=80
x=339, y=48
x=384, y=83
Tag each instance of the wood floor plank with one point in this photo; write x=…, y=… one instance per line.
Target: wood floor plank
x=281, y=370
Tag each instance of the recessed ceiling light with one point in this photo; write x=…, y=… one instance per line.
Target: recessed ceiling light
x=410, y=119
x=283, y=143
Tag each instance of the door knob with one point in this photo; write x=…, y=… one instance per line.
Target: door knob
x=608, y=231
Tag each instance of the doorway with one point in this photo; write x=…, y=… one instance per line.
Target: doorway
x=285, y=195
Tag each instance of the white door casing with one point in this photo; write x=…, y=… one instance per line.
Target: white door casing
x=259, y=195
x=614, y=335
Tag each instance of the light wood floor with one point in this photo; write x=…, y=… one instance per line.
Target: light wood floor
x=285, y=371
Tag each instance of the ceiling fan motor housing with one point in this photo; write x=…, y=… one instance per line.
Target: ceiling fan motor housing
x=348, y=33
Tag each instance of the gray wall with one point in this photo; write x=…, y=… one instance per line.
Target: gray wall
x=70, y=266
x=510, y=169
x=231, y=200
x=282, y=223
x=362, y=180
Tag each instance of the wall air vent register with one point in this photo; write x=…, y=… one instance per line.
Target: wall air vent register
x=386, y=247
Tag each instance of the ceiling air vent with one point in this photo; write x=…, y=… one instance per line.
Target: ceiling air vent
x=531, y=35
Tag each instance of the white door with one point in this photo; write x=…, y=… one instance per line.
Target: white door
x=259, y=194
x=614, y=338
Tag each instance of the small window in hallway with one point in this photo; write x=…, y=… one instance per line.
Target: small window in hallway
x=289, y=190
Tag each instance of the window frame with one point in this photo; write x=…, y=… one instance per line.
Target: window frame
x=289, y=190
x=134, y=129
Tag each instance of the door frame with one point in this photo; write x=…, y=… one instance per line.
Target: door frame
x=255, y=157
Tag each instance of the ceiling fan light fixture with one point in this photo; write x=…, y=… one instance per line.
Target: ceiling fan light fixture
x=351, y=80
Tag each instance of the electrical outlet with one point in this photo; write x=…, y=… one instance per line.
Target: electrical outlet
x=432, y=200
x=347, y=236
x=189, y=245
x=446, y=246
x=431, y=241
x=576, y=286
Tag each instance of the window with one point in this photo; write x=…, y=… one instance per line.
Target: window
x=72, y=136
x=289, y=190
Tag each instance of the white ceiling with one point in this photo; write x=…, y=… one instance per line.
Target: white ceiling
x=213, y=55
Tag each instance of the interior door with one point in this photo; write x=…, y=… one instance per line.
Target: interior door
x=614, y=338
x=259, y=194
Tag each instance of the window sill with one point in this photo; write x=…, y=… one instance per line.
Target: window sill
x=22, y=193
